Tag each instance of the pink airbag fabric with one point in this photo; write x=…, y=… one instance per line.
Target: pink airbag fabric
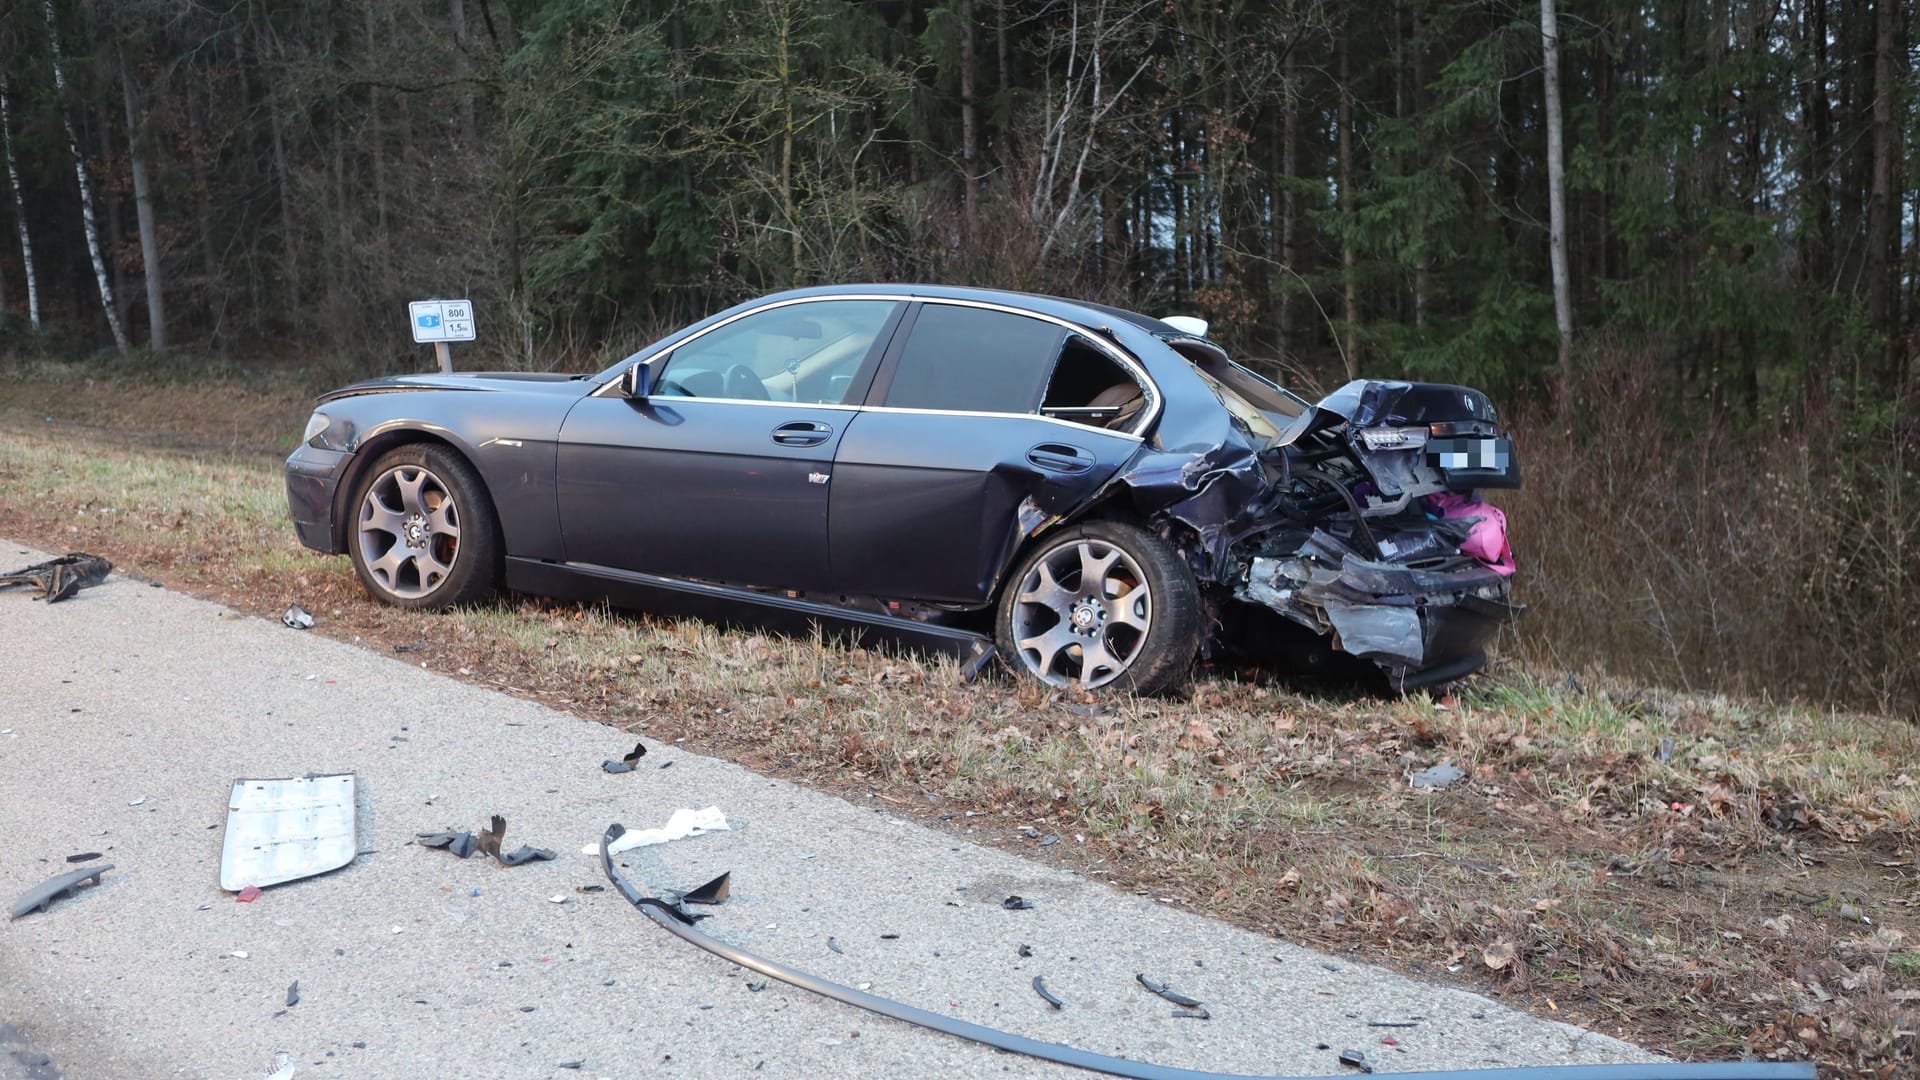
x=1488, y=539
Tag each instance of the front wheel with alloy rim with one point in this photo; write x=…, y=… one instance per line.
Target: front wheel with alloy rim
x=423, y=533
x=1104, y=605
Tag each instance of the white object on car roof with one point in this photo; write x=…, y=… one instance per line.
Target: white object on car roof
x=1186, y=324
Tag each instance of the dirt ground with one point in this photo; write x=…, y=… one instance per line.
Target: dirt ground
x=1709, y=878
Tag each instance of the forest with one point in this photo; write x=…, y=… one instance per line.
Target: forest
x=1678, y=239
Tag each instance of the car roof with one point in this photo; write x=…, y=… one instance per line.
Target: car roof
x=1085, y=312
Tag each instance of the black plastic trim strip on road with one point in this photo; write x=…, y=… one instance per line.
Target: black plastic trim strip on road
x=663, y=913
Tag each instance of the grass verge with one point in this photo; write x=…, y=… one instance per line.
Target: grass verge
x=1702, y=876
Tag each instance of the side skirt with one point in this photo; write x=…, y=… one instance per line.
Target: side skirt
x=741, y=607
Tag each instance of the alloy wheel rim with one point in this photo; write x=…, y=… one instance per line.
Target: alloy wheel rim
x=1082, y=614
x=409, y=531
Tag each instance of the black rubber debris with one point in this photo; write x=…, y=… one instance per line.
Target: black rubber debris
x=1354, y=1059
x=1393, y=1023
x=1169, y=993
x=60, y=578
x=1040, y=987
x=1016, y=903
x=293, y=993
x=889, y=937
x=589, y=888
x=460, y=843
x=85, y=856
x=581, y=1064
x=42, y=896
x=525, y=854
x=1026, y=950
x=713, y=892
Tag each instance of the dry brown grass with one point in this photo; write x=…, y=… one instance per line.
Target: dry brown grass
x=1705, y=901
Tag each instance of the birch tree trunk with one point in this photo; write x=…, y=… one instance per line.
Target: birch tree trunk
x=143, y=209
x=86, y=190
x=19, y=208
x=1557, y=200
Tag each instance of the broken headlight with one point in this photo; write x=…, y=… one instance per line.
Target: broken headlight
x=316, y=424
x=1393, y=438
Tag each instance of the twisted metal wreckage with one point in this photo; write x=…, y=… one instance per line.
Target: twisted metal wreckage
x=672, y=914
x=58, y=579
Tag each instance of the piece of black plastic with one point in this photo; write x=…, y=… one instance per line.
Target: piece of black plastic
x=525, y=854
x=713, y=892
x=1026, y=950
x=665, y=915
x=628, y=761
x=1016, y=903
x=1169, y=993
x=1356, y=1060
x=1040, y=987
x=460, y=843
x=85, y=856
x=42, y=896
x=293, y=993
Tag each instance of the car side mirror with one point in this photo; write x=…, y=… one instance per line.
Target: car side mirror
x=637, y=381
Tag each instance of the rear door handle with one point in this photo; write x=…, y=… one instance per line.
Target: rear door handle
x=802, y=433
x=1060, y=457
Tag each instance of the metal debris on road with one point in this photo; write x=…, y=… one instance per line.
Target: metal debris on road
x=463, y=844
x=1168, y=993
x=1355, y=1059
x=713, y=893
x=297, y=618
x=282, y=1066
x=1040, y=987
x=283, y=830
x=1016, y=903
x=58, y=579
x=42, y=896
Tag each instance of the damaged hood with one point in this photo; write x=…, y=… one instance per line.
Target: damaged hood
x=464, y=380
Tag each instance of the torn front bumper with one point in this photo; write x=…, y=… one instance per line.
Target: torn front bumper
x=313, y=477
x=1420, y=626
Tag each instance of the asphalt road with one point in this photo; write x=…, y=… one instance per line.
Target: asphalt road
x=127, y=712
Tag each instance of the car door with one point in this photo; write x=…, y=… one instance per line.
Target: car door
x=930, y=484
x=721, y=472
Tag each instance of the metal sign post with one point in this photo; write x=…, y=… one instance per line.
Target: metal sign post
x=441, y=321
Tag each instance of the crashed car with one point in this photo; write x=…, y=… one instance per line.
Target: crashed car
x=1100, y=495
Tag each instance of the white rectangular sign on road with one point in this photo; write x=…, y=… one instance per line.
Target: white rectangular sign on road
x=441, y=320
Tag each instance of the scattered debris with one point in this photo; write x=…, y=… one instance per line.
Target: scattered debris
x=1437, y=776
x=581, y=1064
x=576, y=888
x=626, y=762
x=282, y=1066
x=463, y=844
x=285, y=829
x=557, y=898
x=1665, y=750
x=411, y=647
x=683, y=824
x=293, y=993
x=1040, y=987
x=1197, y=1012
x=297, y=618
x=1356, y=1060
x=85, y=856
x=1026, y=951
x=58, y=579
x=674, y=921
x=42, y=896
x=238, y=954
x=1016, y=903
x=137, y=802
x=1168, y=993
x=247, y=895
x=1393, y=1023
x=835, y=946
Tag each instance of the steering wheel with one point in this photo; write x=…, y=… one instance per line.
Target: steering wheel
x=742, y=383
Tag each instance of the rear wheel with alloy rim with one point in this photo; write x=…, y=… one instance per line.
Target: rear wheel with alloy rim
x=423, y=533
x=1102, y=605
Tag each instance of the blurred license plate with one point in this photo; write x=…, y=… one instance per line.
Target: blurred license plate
x=1470, y=453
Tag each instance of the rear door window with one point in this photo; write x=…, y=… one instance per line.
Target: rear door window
x=967, y=359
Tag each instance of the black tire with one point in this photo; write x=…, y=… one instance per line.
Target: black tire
x=421, y=530
x=1104, y=618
